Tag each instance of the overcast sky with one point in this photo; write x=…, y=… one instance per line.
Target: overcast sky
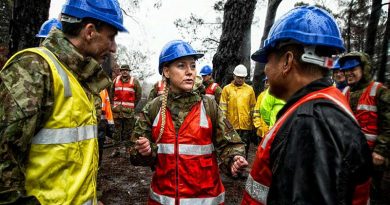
x=150, y=28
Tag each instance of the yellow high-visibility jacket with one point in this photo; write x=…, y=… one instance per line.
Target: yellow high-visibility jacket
x=63, y=159
x=237, y=103
x=258, y=121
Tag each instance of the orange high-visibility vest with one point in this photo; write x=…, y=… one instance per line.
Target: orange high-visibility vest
x=106, y=107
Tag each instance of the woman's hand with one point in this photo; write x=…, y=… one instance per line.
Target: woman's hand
x=142, y=145
x=238, y=165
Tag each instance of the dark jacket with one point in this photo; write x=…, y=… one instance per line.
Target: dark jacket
x=319, y=154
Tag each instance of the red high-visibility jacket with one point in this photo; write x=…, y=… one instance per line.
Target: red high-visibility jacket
x=186, y=168
x=260, y=178
x=124, y=93
x=366, y=112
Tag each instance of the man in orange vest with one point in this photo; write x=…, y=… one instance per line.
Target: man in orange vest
x=106, y=123
x=212, y=89
x=315, y=153
x=127, y=92
x=370, y=102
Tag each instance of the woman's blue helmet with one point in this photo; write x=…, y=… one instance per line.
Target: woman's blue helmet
x=307, y=25
x=349, y=63
x=107, y=11
x=206, y=70
x=176, y=49
x=46, y=27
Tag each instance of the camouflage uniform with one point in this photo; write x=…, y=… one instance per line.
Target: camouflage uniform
x=124, y=117
x=218, y=90
x=382, y=146
x=226, y=140
x=27, y=101
x=153, y=92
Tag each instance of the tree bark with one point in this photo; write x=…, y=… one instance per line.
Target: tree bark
x=385, y=53
x=5, y=11
x=27, y=18
x=349, y=23
x=372, y=27
x=269, y=21
x=234, y=47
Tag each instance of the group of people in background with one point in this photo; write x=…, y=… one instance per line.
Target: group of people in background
x=322, y=140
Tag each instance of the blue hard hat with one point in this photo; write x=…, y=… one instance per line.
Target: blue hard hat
x=107, y=11
x=176, y=49
x=308, y=25
x=206, y=70
x=46, y=27
x=349, y=63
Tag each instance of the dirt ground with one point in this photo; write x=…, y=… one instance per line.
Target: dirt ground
x=123, y=184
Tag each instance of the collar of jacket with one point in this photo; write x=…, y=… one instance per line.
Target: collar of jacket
x=311, y=87
x=85, y=69
x=209, y=82
x=186, y=98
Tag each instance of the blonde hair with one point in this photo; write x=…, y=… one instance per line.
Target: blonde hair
x=163, y=108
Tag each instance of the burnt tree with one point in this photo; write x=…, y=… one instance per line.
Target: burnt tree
x=234, y=47
x=372, y=27
x=269, y=21
x=26, y=20
x=385, y=53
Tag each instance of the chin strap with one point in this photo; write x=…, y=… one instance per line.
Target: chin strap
x=311, y=57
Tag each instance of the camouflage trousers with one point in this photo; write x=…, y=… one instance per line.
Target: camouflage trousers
x=246, y=138
x=123, y=129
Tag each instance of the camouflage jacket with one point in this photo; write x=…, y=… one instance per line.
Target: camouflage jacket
x=226, y=140
x=27, y=101
x=120, y=111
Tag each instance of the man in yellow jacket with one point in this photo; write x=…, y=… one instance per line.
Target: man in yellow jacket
x=237, y=102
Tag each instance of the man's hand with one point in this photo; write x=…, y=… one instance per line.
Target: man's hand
x=142, y=145
x=238, y=165
x=377, y=159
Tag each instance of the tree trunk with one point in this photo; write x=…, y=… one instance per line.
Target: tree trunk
x=349, y=23
x=385, y=54
x=269, y=21
x=27, y=18
x=372, y=27
x=233, y=48
x=5, y=11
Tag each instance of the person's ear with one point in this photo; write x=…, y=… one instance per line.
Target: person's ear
x=89, y=31
x=166, y=72
x=288, y=61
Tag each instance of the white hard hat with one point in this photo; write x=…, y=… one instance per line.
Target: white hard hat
x=240, y=71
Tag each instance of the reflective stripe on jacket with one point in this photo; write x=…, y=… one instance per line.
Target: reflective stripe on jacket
x=237, y=103
x=160, y=88
x=260, y=178
x=186, y=166
x=106, y=107
x=124, y=93
x=62, y=162
x=366, y=112
x=210, y=90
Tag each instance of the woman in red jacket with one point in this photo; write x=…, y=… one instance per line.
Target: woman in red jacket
x=180, y=133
